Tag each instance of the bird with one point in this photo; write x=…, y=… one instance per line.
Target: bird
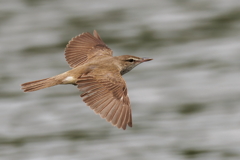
x=98, y=75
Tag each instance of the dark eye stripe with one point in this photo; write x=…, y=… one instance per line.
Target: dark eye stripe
x=131, y=60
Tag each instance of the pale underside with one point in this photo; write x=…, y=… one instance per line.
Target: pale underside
x=107, y=94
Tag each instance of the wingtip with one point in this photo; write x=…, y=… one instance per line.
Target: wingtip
x=96, y=35
x=130, y=124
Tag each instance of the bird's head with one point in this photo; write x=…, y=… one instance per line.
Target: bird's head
x=127, y=63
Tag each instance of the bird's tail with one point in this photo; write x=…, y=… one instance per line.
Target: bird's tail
x=39, y=84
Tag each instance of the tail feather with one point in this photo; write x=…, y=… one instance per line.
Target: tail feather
x=39, y=84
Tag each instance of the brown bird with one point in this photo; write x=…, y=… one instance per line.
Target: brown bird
x=98, y=75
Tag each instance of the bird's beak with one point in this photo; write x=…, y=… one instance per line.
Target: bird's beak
x=145, y=59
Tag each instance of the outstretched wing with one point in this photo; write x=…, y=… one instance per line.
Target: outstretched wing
x=107, y=96
x=83, y=47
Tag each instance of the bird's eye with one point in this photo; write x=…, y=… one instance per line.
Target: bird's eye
x=131, y=60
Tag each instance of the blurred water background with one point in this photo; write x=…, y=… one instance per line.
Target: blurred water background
x=185, y=103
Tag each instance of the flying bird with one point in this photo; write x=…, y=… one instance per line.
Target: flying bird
x=98, y=75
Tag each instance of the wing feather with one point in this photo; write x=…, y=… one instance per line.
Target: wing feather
x=107, y=96
x=83, y=47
